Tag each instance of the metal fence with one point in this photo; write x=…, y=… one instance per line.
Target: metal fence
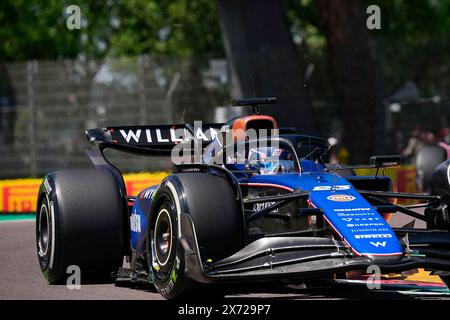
x=55, y=101
x=51, y=103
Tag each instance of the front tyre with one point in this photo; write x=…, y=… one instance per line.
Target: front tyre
x=167, y=254
x=211, y=204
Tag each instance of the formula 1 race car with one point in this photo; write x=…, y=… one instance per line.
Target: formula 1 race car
x=260, y=208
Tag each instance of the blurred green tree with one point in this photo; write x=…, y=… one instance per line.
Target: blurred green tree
x=414, y=40
x=415, y=34
x=182, y=27
x=36, y=29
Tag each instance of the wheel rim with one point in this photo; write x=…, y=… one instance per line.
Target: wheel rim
x=162, y=237
x=43, y=231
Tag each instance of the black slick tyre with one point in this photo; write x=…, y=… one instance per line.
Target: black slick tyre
x=212, y=206
x=79, y=223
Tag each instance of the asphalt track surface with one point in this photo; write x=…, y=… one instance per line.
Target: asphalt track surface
x=20, y=278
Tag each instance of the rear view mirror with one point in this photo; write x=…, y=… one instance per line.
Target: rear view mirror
x=386, y=161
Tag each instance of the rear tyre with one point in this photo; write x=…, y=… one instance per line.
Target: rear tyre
x=446, y=280
x=426, y=162
x=439, y=216
x=79, y=222
x=211, y=203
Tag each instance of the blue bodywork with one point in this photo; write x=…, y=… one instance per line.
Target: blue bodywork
x=345, y=210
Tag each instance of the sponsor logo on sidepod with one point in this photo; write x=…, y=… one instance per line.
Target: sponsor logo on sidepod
x=341, y=197
x=135, y=222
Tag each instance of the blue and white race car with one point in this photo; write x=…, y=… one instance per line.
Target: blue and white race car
x=255, y=209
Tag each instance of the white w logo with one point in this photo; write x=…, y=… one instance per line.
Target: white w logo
x=131, y=134
x=377, y=244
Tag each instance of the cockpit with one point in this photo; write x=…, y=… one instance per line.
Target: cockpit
x=276, y=155
x=271, y=160
x=254, y=145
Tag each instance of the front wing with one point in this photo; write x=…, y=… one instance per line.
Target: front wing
x=291, y=258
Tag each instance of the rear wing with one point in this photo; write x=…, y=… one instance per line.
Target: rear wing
x=152, y=140
x=156, y=140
